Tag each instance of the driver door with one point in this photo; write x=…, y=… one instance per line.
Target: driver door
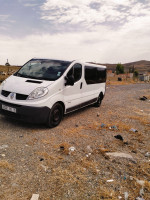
x=73, y=94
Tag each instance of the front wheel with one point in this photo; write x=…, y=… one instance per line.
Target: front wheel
x=55, y=116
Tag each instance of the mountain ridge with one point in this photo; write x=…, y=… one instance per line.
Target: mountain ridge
x=141, y=66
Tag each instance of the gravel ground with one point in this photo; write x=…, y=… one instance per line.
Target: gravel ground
x=37, y=160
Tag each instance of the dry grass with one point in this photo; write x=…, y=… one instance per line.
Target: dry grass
x=114, y=81
x=142, y=119
x=6, y=69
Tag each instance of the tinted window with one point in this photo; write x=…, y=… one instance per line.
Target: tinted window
x=90, y=74
x=75, y=71
x=101, y=75
x=94, y=75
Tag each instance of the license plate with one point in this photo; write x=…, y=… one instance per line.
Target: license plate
x=9, y=108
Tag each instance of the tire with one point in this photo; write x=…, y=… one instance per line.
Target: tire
x=55, y=116
x=99, y=101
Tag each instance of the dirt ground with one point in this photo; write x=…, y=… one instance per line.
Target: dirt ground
x=74, y=160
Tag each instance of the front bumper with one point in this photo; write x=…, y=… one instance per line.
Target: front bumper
x=26, y=113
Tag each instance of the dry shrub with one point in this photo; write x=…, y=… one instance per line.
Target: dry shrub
x=32, y=141
x=147, y=186
x=102, y=192
x=142, y=119
x=101, y=150
x=64, y=148
x=124, y=82
x=89, y=164
x=5, y=165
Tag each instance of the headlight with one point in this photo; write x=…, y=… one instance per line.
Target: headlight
x=37, y=93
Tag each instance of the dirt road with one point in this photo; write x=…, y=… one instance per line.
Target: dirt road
x=38, y=160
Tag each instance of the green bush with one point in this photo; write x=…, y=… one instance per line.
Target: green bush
x=119, y=69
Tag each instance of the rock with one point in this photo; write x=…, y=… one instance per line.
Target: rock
x=144, y=98
x=139, y=198
x=140, y=182
x=35, y=197
x=14, y=185
x=62, y=148
x=133, y=130
x=71, y=149
x=147, y=154
x=41, y=159
x=44, y=167
x=141, y=192
x=126, y=195
x=109, y=181
x=89, y=149
x=103, y=125
x=126, y=143
x=98, y=114
x=119, y=137
x=4, y=146
x=121, y=155
x=114, y=127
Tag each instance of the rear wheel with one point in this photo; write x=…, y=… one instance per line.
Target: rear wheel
x=99, y=100
x=55, y=115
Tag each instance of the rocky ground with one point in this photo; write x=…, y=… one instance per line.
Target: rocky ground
x=95, y=153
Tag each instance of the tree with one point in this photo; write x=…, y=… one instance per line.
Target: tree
x=136, y=73
x=131, y=69
x=119, y=69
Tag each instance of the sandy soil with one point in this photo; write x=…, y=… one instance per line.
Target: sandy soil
x=38, y=160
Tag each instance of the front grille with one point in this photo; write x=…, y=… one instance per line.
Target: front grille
x=18, y=96
x=5, y=93
x=21, y=96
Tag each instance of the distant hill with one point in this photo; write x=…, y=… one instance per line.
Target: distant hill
x=141, y=66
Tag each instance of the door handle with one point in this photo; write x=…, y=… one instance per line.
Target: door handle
x=81, y=85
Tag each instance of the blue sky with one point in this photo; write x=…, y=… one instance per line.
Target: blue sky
x=105, y=31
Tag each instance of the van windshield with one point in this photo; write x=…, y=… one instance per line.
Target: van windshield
x=43, y=69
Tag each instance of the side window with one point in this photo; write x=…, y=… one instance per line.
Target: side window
x=94, y=75
x=90, y=74
x=76, y=71
x=101, y=75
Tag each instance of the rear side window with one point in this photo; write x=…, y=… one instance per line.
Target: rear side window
x=94, y=75
x=76, y=71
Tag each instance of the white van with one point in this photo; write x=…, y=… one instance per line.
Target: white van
x=43, y=90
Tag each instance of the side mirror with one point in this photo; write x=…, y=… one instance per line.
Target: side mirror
x=69, y=80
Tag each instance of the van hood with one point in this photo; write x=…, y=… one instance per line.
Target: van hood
x=23, y=85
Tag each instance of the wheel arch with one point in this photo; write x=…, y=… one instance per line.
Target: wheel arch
x=101, y=95
x=62, y=104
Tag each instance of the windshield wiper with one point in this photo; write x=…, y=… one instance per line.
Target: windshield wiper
x=32, y=77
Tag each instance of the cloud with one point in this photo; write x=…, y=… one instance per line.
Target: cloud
x=6, y=18
x=30, y=5
x=104, y=44
x=92, y=30
x=92, y=13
